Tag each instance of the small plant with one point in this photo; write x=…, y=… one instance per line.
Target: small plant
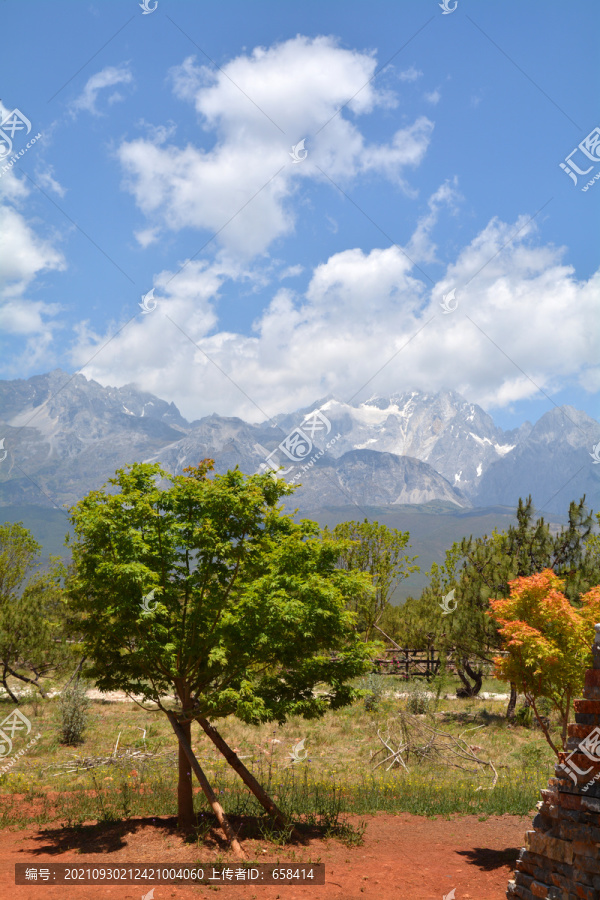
x=73, y=705
x=274, y=833
x=544, y=708
x=418, y=701
x=524, y=716
x=125, y=792
x=203, y=828
x=372, y=684
x=350, y=835
x=531, y=756
x=35, y=705
x=438, y=684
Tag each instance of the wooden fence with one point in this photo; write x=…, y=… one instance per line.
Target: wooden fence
x=406, y=663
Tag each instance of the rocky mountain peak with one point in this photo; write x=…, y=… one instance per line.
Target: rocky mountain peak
x=65, y=435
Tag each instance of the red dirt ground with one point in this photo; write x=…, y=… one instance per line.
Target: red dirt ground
x=402, y=857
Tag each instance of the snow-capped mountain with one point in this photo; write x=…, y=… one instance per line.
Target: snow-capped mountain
x=456, y=438
x=62, y=435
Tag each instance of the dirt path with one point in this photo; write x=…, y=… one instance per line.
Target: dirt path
x=403, y=857
x=122, y=697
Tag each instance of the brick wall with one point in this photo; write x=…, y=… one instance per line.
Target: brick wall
x=561, y=857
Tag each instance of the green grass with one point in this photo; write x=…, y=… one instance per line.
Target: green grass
x=306, y=796
x=335, y=779
x=448, y=684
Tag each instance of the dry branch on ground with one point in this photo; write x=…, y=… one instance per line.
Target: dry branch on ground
x=408, y=736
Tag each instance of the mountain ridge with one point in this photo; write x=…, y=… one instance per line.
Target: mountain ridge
x=65, y=435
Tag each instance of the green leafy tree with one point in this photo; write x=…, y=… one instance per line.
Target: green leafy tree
x=201, y=588
x=378, y=551
x=579, y=547
x=479, y=569
x=31, y=613
x=548, y=642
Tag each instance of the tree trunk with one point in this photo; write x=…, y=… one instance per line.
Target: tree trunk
x=391, y=640
x=464, y=672
x=185, y=796
x=6, y=687
x=28, y=681
x=531, y=700
x=512, y=703
x=76, y=673
x=565, y=723
x=246, y=776
x=183, y=732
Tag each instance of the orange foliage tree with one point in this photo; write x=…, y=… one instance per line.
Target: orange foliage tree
x=548, y=642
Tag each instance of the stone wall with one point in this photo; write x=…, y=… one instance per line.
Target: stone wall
x=561, y=857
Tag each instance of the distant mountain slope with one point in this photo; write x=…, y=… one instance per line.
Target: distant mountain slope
x=433, y=528
x=458, y=439
x=553, y=463
x=368, y=477
x=229, y=441
x=64, y=435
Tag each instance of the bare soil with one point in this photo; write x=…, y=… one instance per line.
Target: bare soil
x=402, y=857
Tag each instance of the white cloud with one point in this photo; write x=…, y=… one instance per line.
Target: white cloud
x=420, y=247
x=255, y=109
x=24, y=318
x=433, y=97
x=292, y=272
x=371, y=321
x=107, y=77
x=407, y=148
x=24, y=255
x=45, y=178
x=152, y=351
x=117, y=97
x=410, y=74
x=12, y=189
x=147, y=236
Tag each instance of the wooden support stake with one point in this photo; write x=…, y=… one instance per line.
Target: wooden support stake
x=205, y=785
x=246, y=776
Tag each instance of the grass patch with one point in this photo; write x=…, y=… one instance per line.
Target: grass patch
x=335, y=779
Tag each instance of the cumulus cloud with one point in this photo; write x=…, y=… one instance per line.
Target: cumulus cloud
x=24, y=255
x=370, y=323
x=252, y=111
x=189, y=302
x=421, y=246
x=106, y=78
x=147, y=236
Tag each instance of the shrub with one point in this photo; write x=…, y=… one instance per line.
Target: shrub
x=372, y=684
x=73, y=705
x=438, y=685
x=524, y=716
x=418, y=701
x=531, y=756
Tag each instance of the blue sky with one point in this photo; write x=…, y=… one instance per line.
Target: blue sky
x=432, y=141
